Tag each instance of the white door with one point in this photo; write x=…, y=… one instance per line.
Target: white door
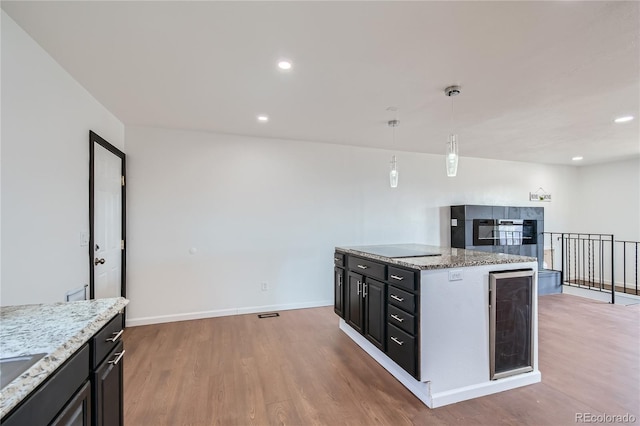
x=107, y=222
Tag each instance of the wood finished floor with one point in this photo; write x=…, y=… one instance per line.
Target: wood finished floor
x=300, y=369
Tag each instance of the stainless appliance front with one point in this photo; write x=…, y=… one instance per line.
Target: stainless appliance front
x=503, y=232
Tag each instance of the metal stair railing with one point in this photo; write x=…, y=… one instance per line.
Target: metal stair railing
x=586, y=260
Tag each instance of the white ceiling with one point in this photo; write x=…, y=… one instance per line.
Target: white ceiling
x=541, y=81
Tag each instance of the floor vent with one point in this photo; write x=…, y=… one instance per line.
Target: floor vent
x=271, y=315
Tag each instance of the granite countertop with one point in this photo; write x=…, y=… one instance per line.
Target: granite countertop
x=57, y=329
x=437, y=258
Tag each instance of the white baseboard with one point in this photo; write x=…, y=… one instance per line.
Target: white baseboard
x=133, y=322
x=440, y=399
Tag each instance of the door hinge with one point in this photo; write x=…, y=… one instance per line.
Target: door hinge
x=121, y=244
x=122, y=180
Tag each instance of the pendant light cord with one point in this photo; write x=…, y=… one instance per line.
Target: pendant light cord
x=452, y=121
x=393, y=124
x=393, y=143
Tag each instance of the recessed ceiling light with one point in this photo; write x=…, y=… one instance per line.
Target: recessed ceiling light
x=284, y=65
x=577, y=158
x=263, y=118
x=623, y=119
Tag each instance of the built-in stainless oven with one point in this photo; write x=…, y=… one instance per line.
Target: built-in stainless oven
x=484, y=232
x=503, y=232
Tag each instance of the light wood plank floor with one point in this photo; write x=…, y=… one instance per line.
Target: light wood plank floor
x=300, y=369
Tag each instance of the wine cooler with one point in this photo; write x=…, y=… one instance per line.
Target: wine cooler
x=510, y=322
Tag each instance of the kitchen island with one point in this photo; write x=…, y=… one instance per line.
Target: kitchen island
x=425, y=314
x=73, y=341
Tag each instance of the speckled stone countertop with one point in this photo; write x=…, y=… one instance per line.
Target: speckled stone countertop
x=57, y=329
x=440, y=258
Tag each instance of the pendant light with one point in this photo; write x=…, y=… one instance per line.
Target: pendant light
x=393, y=173
x=452, y=144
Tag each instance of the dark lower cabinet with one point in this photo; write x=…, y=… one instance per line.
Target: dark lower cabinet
x=339, y=285
x=374, y=306
x=381, y=302
x=85, y=390
x=366, y=303
x=355, y=312
x=54, y=396
x=78, y=410
x=403, y=328
x=106, y=374
x=107, y=398
x=338, y=291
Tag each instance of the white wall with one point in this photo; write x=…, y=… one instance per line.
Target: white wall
x=272, y=210
x=46, y=118
x=608, y=199
x=609, y=196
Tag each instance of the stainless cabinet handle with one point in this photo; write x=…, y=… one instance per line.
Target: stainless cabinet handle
x=364, y=290
x=115, y=337
x=397, y=318
x=119, y=357
x=400, y=342
x=396, y=277
x=336, y=259
x=339, y=280
x=359, y=283
x=362, y=266
x=399, y=299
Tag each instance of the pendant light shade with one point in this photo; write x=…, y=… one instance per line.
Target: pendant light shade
x=393, y=172
x=452, y=155
x=452, y=144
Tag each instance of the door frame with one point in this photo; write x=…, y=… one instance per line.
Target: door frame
x=94, y=138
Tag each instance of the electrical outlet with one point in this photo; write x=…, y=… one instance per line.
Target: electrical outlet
x=264, y=286
x=455, y=275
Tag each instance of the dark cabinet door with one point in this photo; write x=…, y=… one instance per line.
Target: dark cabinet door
x=354, y=301
x=107, y=397
x=338, y=290
x=77, y=412
x=374, y=317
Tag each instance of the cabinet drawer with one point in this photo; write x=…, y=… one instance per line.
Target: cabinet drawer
x=367, y=267
x=402, y=299
x=402, y=278
x=106, y=339
x=338, y=259
x=401, y=319
x=401, y=348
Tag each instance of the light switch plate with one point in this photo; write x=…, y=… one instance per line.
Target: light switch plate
x=454, y=222
x=84, y=238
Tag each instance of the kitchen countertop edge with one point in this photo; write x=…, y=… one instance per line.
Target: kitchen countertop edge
x=448, y=258
x=27, y=382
